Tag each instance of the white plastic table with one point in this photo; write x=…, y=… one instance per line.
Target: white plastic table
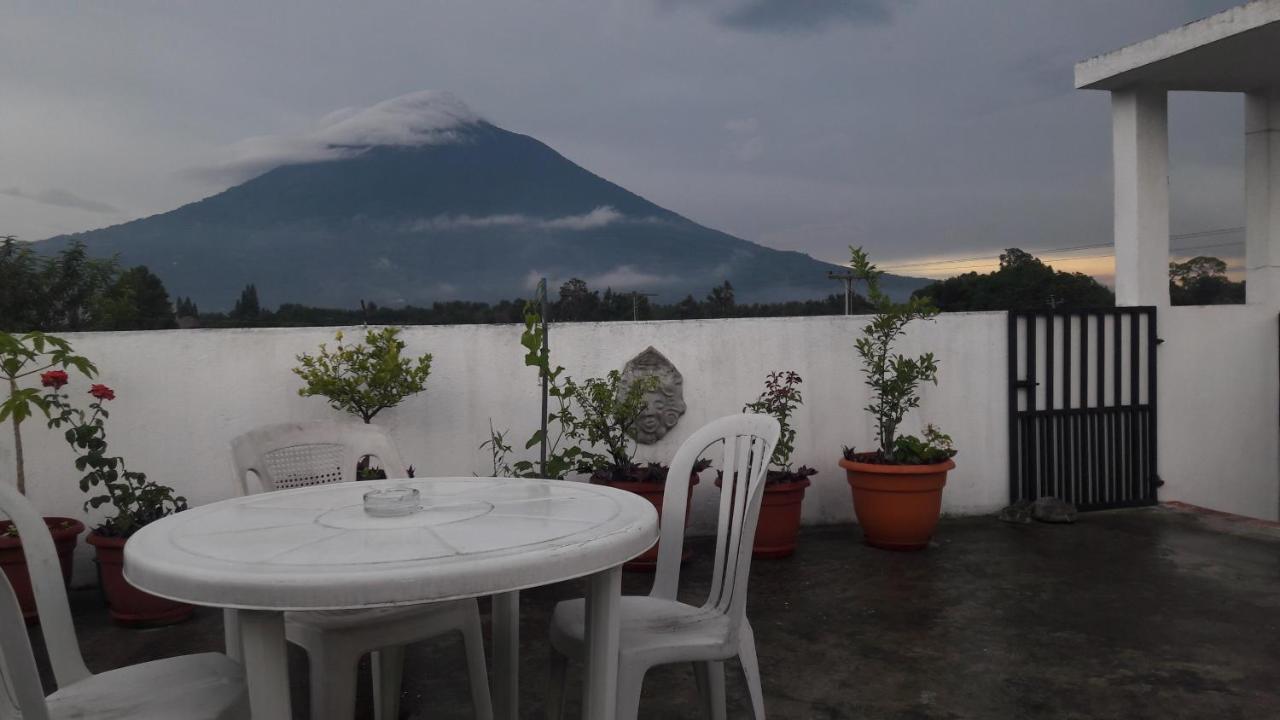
x=315, y=548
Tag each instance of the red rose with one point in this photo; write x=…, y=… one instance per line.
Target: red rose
x=53, y=379
x=102, y=392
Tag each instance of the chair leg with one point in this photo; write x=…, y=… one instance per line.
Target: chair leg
x=700, y=678
x=710, y=677
x=751, y=670
x=630, y=682
x=557, y=684
x=333, y=682
x=477, y=670
x=388, y=669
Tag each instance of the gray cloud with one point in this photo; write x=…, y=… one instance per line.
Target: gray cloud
x=57, y=197
x=597, y=218
x=942, y=128
x=806, y=15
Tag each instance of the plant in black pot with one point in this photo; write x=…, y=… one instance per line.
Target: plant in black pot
x=778, y=528
x=897, y=488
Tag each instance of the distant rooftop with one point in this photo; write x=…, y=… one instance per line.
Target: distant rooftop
x=1237, y=50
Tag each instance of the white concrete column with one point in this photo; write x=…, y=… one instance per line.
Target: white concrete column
x=1262, y=197
x=1140, y=151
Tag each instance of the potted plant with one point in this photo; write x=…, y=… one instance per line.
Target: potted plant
x=364, y=379
x=23, y=356
x=779, y=523
x=136, y=501
x=897, y=488
x=609, y=410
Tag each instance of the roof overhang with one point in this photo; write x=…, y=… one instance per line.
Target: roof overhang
x=1237, y=50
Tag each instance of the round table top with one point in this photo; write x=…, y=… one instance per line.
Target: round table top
x=315, y=548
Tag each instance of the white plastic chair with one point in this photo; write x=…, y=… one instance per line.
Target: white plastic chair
x=208, y=686
x=657, y=629
x=295, y=455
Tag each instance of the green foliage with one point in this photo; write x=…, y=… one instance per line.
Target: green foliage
x=1203, y=280
x=934, y=447
x=136, y=301
x=72, y=291
x=499, y=449
x=894, y=378
x=1022, y=283
x=599, y=412
x=366, y=378
x=22, y=356
x=780, y=398
x=137, y=501
x=563, y=431
x=721, y=301
x=186, y=307
x=247, y=307
x=610, y=410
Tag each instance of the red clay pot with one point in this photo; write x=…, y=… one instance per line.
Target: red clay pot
x=897, y=505
x=65, y=532
x=128, y=605
x=653, y=492
x=778, y=528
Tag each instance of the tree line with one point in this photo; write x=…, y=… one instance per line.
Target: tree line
x=70, y=291
x=575, y=301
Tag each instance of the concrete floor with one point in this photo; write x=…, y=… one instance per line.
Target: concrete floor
x=1154, y=613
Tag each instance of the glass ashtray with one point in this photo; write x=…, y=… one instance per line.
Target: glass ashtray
x=392, y=502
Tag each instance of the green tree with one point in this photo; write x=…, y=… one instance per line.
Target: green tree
x=720, y=302
x=1023, y=282
x=247, y=307
x=1203, y=280
x=894, y=378
x=21, y=286
x=136, y=301
x=187, y=308
x=577, y=302
x=366, y=378
x=74, y=286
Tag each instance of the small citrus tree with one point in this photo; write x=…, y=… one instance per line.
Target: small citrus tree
x=894, y=378
x=365, y=378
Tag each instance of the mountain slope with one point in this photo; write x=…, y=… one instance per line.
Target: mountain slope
x=480, y=216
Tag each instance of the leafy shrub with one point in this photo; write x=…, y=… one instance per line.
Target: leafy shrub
x=366, y=378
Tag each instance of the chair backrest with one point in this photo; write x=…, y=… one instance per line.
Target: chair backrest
x=292, y=455
x=19, y=669
x=748, y=445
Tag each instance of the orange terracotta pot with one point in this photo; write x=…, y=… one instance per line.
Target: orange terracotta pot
x=897, y=505
x=778, y=529
x=653, y=492
x=127, y=604
x=65, y=532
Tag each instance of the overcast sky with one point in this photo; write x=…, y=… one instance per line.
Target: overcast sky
x=917, y=128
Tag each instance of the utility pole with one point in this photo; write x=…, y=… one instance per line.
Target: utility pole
x=848, y=279
x=635, y=303
x=542, y=310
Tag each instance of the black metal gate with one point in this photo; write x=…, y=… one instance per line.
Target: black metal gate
x=1082, y=406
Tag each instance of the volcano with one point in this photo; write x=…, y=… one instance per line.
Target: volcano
x=417, y=200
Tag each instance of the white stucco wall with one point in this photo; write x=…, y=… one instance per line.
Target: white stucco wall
x=183, y=394
x=1219, y=400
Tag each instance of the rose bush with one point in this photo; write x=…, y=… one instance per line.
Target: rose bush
x=136, y=500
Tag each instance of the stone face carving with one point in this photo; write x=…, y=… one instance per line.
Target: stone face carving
x=665, y=404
